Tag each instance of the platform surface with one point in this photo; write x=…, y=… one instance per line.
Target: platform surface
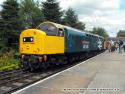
x=103, y=74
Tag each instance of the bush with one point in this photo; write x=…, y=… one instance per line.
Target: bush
x=4, y=50
x=7, y=60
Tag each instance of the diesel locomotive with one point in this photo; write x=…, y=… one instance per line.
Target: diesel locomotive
x=55, y=44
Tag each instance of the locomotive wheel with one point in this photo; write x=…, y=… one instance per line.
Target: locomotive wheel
x=25, y=66
x=44, y=65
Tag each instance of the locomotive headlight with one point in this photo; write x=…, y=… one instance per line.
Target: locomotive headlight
x=31, y=39
x=24, y=39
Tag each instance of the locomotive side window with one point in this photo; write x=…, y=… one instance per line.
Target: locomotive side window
x=60, y=32
x=28, y=39
x=48, y=28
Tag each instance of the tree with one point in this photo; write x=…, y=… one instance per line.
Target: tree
x=52, y=11
x=121, y=33
x=31, y=15
x=80, y=25
x=99, y=31
x=10, y=22
x=1, y=30
x=71, y=19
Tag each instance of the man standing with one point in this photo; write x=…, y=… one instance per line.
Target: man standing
x=109, y=46
x=112, y=46
x=120, y=46
x=124, y=45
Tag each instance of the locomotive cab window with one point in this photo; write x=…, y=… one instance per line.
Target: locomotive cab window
x=28, y=39
x=48, y=28
x=60, y=32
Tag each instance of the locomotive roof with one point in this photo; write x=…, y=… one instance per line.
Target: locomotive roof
x=77, y=30
x=81, y=31
x=55, y=24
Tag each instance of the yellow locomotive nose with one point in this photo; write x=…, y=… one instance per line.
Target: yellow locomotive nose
x=31, y=41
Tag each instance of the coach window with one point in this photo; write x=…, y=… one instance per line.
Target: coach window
x=48, y=28
x=60, y=32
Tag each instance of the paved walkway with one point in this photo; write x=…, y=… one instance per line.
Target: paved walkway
x=103, y=74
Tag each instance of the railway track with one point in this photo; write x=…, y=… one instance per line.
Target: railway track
x=16, y=79
x=23, y=79
x=13, y=80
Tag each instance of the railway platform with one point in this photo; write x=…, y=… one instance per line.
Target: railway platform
x=102, y=74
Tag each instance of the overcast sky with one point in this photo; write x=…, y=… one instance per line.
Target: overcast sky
x=109, y=14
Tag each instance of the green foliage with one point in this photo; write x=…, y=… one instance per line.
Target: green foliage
x=71, y=19
x=99, y=31
x=8, y=62
x=121, y=33
x=52, y=11
x=4, y=49
x=1, y=29
x=10, y=24
x=2, y=45
x=10, y=21
x=80, y=25
x=30, y=13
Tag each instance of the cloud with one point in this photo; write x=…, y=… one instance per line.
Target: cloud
x=83, y=5
x=1, y=2
x=99, y=13
x=111, y=22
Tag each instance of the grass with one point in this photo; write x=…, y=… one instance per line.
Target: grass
x=8, y=61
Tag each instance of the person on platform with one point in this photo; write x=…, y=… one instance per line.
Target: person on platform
x=120, y=46
x=124, y=46
x=109, y=46
x=116, y=45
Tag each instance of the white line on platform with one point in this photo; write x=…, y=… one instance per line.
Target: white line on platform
x=19, y=91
